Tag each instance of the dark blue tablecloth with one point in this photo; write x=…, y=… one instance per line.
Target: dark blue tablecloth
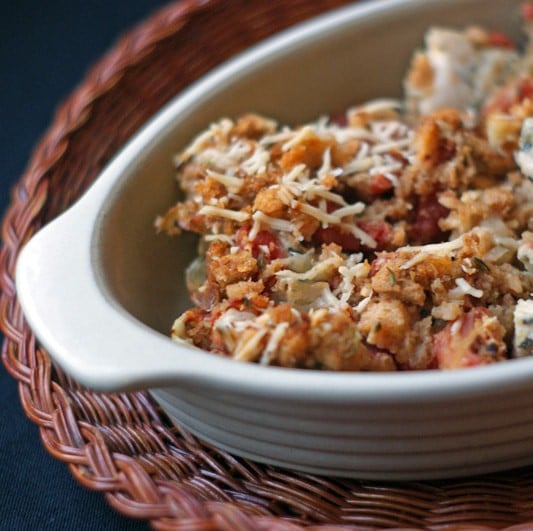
x=45, y=48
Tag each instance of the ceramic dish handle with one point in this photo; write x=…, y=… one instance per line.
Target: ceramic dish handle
x=89, y=335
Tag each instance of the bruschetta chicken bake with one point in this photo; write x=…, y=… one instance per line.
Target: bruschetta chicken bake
x=396, y=236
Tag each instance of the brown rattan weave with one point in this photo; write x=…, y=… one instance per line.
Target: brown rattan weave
x=121, y=444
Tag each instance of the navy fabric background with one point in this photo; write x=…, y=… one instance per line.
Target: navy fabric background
x=45, y=49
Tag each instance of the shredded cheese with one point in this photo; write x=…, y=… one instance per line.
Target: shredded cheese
x=463, y=287
x=349, y=210
x=320, y=271
x=378, y=105
x=360, y=234
x=220, y=237
x=248, y=348
x=323, y=192
x=363, y=303
x=232, y=184
x=258, y=162
x=432, y=248
x=314, y=212
x=274, y=223
x=221, y=128
x=300, y=135
x=213, y=211
x=273, y=342
x=358, y=165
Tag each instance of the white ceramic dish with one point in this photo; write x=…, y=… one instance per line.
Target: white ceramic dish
x=100, y=289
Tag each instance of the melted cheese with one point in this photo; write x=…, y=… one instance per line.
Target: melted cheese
x=232, y=184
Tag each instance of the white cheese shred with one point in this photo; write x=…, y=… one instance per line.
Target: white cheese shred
x=467, y=289
x=214, y=211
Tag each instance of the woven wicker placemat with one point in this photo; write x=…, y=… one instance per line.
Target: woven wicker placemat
x=121, y=444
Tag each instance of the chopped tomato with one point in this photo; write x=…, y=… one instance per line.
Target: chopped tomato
x=473, y=339
x=527, y=10
x=380, y=231
x=380, y=184
x=265, y=238
x=525, y=89
x=496, y=38
x=379, y=262
x=339, y=119
x=504, y=98
x=334, y=235
x=331, y=206
x=425, y=228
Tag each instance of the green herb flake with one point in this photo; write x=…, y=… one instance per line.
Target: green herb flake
x=424, y=312
x=482, y=266
x=392, y=276
x=377, y=328
x=438, y=324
